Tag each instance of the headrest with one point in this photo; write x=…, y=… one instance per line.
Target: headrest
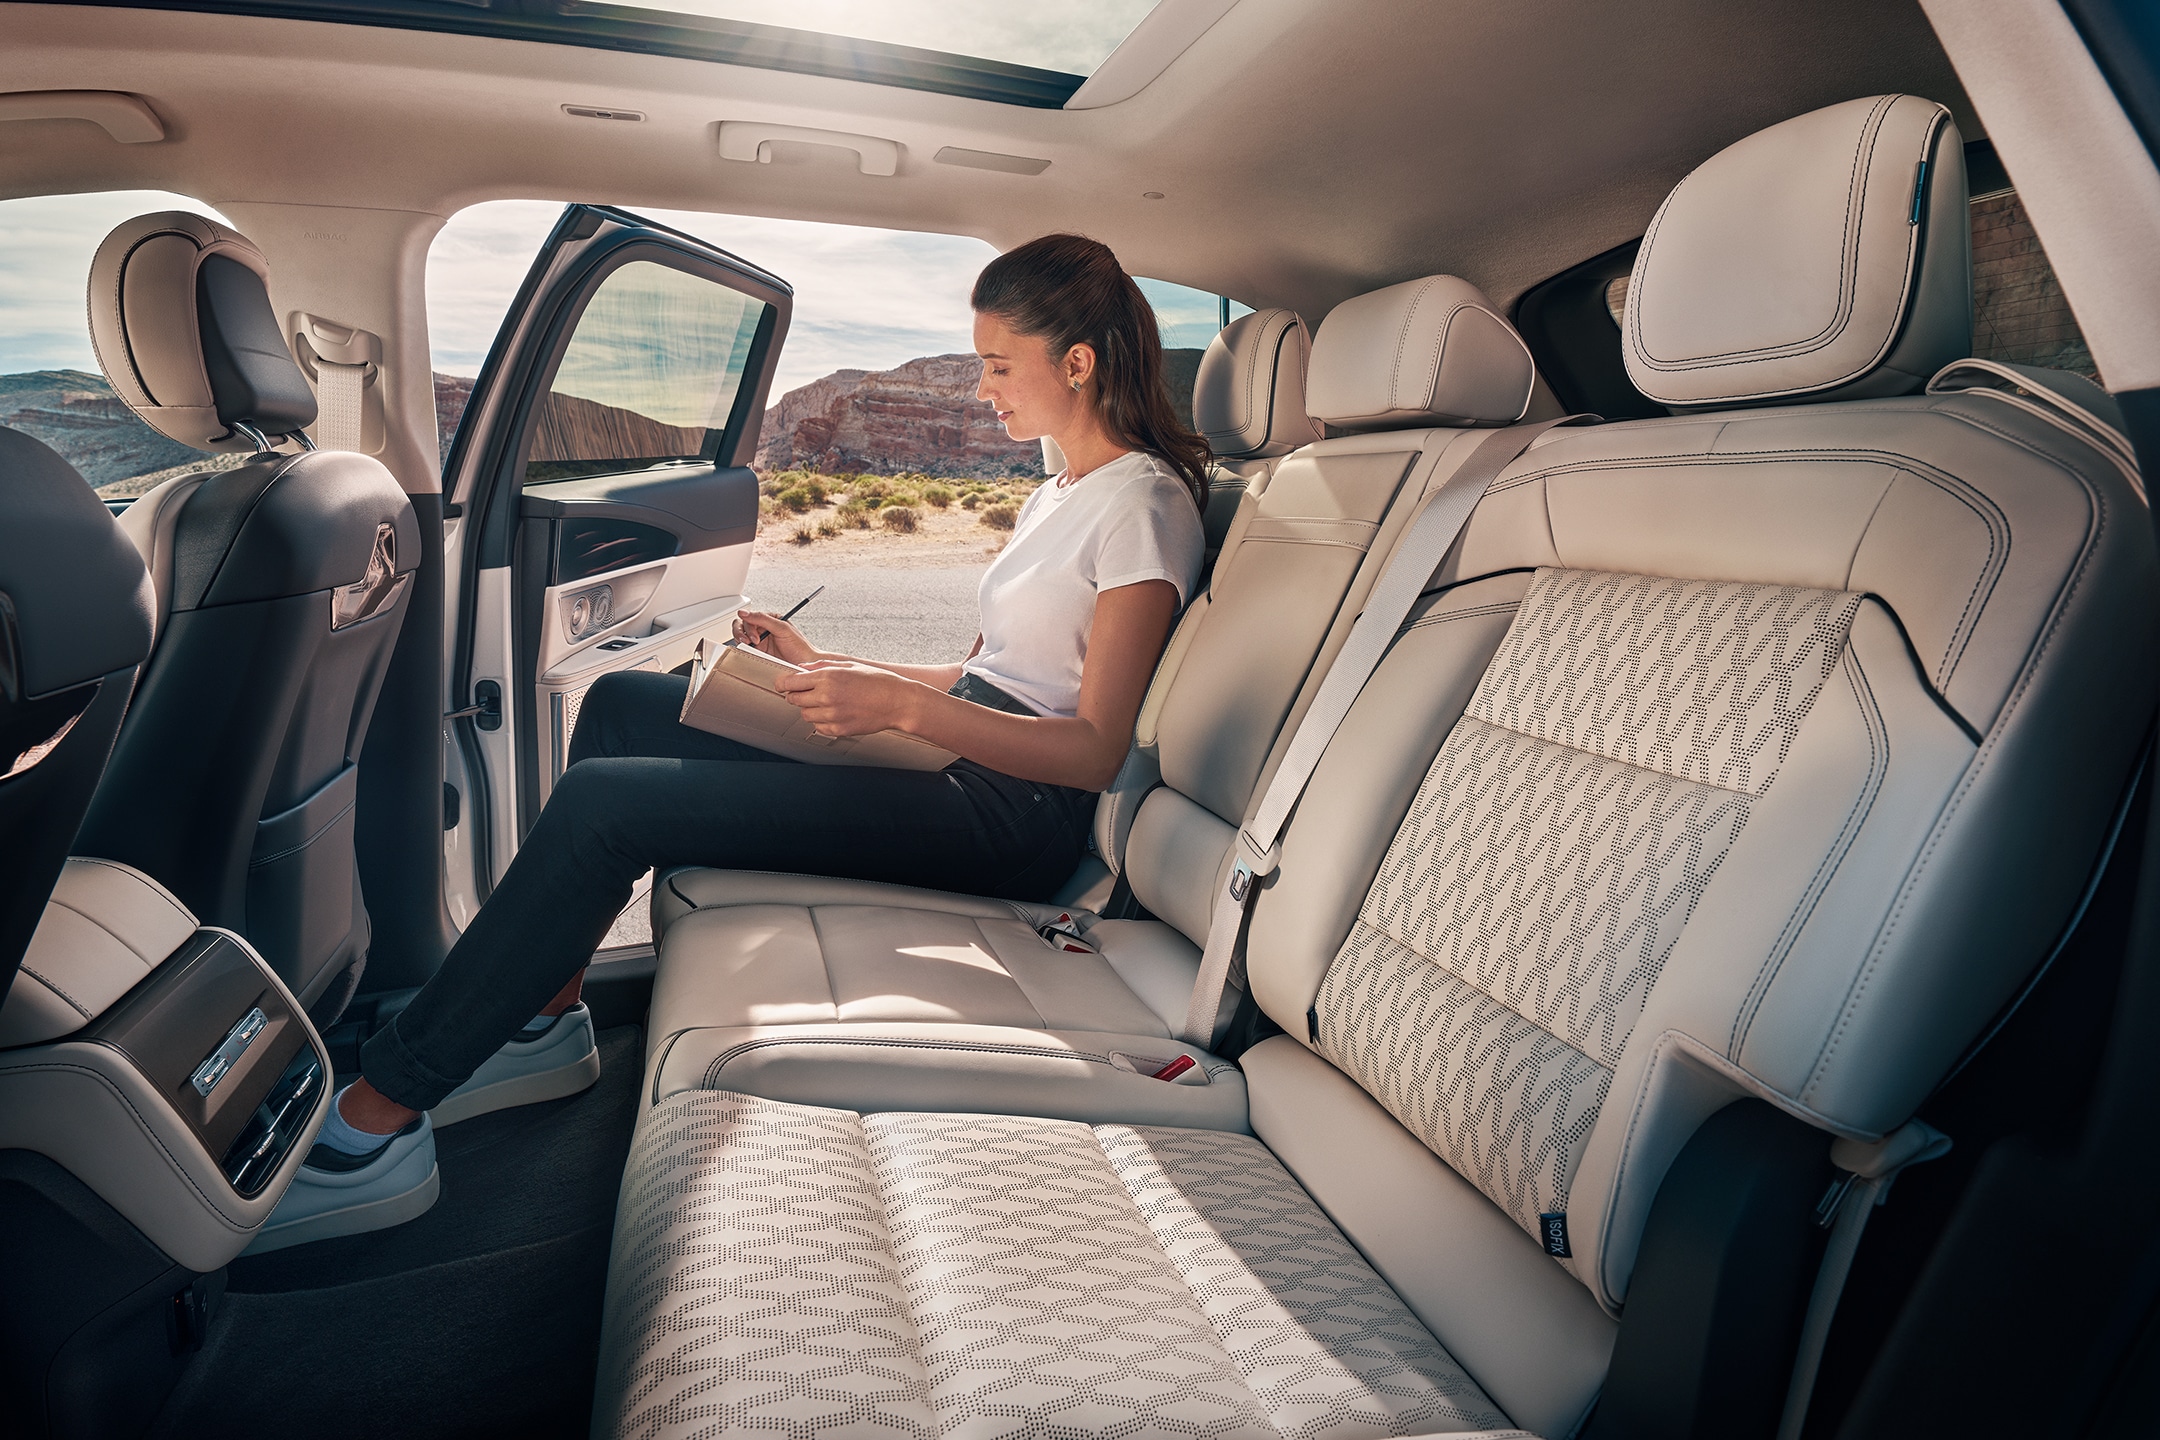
x=1425, y=352
x=74, y=600
x=1248, y=401
x=180, y=317
x=1828, y=257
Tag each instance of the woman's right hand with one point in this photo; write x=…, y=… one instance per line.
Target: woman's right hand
x=774, y=636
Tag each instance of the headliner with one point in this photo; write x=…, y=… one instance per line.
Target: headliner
x=1305, y=151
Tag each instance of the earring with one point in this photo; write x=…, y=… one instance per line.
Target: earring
x=1076, y=384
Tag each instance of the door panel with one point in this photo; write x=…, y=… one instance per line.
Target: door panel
x=602, y=462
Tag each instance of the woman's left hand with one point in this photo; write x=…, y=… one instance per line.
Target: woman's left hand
x=840, y=697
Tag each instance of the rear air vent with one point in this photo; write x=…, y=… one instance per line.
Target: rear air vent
x=594, y=112
x=991, y=160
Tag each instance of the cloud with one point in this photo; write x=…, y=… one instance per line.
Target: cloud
x=1074, y=38
x=48, y=241
x=865, y=299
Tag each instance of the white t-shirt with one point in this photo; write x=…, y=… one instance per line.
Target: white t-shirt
x=1121, y=523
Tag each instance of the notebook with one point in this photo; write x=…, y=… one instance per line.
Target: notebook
x=733, y=692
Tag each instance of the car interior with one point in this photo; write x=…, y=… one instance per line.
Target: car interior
x=1629, y=910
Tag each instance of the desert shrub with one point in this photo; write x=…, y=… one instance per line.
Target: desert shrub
x=939, y=496
x=816, y=489
x=826, y=529
x=1000, y=497
x=869, y=488
x=898, y=518
x=970, y=500
x=999, y=517
x=796, y=499
x=857, y=519
x=803, y=535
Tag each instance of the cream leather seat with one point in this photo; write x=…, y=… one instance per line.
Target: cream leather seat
x=831, y=991
x=1249, y=405
x=1757, y=753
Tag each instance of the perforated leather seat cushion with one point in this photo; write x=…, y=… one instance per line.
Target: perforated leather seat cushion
x=822, y=1273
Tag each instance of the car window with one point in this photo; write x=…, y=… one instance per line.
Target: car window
x=652, y=370
x=50, y=384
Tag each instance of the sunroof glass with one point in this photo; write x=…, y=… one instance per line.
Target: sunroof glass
x=1071, y=38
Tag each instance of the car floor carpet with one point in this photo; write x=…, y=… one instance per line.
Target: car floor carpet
x=480, y=1318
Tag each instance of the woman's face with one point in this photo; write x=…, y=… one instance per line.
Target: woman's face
x=1031, y=390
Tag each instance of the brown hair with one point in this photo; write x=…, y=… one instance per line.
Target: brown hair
x=1068, y=290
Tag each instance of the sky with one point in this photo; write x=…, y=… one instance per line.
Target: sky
x=1074, y=36
x=864, y=299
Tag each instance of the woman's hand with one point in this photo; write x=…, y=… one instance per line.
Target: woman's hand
x=774, y=636
x=841, y=697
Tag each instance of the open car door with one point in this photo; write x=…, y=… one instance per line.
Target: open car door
x=602, y=509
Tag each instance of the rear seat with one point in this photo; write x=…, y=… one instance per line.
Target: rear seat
x=1759, y=752
x=1249, y=405
x=825, y=991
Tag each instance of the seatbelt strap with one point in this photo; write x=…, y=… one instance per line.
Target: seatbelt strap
x=1438, y=524
x=1868, y=1172
x=338, y=389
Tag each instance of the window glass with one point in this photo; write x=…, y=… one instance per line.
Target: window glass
x=1073, y=39
x=1188, y=319
x=651, y=374
x=50, y=384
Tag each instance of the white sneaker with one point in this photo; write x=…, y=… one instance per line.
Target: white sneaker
x=557, y=1061
x=334, y=1193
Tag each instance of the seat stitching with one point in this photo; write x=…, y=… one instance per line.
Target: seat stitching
x=1855, y=186
x=1211, y=1065
x=817, y=933
x=989, y=945
x=1986, y=576
x=1818, y=884
x=209, y=1202
x=1402, y=338
x=73, y=1003
x=2027, y=676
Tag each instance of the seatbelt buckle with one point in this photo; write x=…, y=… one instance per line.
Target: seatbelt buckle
x=1252, y=863
x=1064, y=933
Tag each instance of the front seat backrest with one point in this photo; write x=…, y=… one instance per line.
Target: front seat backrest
x=279, y=588
x=74, y=625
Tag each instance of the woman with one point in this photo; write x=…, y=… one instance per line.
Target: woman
x=1075, y=612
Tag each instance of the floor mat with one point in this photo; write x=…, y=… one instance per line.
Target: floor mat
x=480, y=1318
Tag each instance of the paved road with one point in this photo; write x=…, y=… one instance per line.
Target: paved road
x=915, y=614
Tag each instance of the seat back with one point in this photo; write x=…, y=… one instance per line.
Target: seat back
x=1757, y=752
x=74, y=625
x=1296, y=567
x=279, y=587
x=1249, y=405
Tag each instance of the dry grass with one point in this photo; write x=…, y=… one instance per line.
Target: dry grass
x=813, y=509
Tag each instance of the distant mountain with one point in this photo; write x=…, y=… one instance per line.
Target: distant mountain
x=921, y=416
x=78, y=414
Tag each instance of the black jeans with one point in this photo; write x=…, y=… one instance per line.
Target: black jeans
x=644, y=790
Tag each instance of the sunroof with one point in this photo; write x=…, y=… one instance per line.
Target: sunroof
x=1072, y=38
x=1017, y=52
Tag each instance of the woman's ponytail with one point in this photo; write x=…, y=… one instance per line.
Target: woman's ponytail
x=1068, y=290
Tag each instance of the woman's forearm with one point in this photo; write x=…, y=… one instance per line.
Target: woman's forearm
x=940, y=677
x=1048, y=748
